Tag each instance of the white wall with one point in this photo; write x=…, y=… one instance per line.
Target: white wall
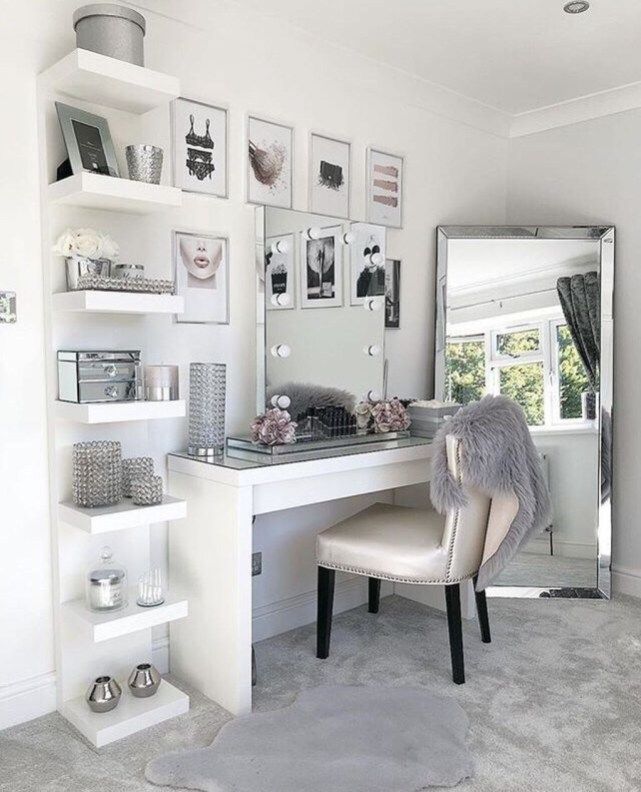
x=588, y=173
x=455, y=173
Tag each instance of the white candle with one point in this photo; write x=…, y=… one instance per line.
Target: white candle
x=161, y=383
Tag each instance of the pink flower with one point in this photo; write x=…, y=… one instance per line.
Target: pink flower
x=274, y=427
x=390, y=416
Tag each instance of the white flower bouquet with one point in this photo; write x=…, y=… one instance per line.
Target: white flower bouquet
x=86, y=243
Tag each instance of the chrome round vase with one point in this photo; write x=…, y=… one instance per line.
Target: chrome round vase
x=104, y=694
x=144, y=680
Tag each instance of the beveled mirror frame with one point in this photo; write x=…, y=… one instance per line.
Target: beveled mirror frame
x=605, y=235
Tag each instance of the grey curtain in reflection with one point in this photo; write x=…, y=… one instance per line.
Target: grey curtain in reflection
x=580, y=297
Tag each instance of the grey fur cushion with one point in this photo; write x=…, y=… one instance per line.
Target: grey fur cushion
x=497, y=457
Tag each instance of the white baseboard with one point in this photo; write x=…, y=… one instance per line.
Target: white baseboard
x=287, y=614
x=30, y=698
x=626, y=581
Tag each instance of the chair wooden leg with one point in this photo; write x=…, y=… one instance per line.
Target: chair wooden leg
x=374, y=594
x=455, y=628
x=326, y=579
x=484, y=619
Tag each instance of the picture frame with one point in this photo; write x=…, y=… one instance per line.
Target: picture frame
x=88, y=141
x=367, y=262
x=200, y=147
x=270, y=163
x=280, y=273
x=329, y=175
x=201, y=271
x=385, y=183
x=321, y=268
x=392, y=293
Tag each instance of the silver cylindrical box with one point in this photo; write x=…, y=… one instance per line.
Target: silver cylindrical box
x=110, y=29
x=207, y=383
x=144, y=163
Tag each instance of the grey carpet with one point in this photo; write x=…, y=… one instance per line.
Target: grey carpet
x=554, y=701
x=339, y=738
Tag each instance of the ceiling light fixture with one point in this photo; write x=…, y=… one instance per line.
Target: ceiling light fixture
x=576, y=7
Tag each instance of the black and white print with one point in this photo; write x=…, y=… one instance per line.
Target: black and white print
x=280, y=287
x=322, y=269
x=367, y=277
x=269, y=163
x=201, y=265
x=384, y=188
x=199, y=142
x=392, y=293
x=329, y=176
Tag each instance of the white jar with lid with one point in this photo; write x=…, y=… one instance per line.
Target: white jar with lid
x=106, y=584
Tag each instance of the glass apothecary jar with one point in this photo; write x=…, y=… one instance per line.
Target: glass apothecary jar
x=106, y=583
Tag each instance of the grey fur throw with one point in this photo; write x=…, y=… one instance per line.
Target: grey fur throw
x=498, y=457
x=304, y=395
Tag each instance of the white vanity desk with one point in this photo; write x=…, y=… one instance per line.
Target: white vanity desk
x=210, y=551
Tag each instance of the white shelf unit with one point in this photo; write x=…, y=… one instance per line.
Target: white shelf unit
x=97, y=191
x=92, y=77
x=112, y=624
x=87, y=644
x=113, y=302
x=131, y=715
x=117, y=412
x=104, y=519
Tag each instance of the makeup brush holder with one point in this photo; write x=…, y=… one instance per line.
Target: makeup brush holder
x=147, y=491
x=97, y=473
x=135, y=468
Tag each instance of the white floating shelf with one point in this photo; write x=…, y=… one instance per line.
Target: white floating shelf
x=109, y=82
x=103, y=626
x=131, y=715
x=96, y=191
x=118, y=302
x=115, y=412
x=103, y=519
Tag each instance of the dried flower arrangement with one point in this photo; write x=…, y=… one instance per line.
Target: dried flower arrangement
x=383, y=416
x=274, y=427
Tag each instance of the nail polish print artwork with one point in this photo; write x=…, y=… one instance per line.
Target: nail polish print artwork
x=269, y=169
x=384, y=188
x=329, y=176
x=199, y=141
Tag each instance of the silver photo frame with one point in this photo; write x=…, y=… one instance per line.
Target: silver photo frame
x=88, y=141
x=200, y=305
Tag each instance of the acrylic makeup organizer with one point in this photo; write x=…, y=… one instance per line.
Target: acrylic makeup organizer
x=91, y=644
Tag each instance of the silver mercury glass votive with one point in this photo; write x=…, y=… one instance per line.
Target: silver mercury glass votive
x=144, y=163
x=207, y=384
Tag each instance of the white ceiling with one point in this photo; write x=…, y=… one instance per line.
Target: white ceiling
x=513, y=55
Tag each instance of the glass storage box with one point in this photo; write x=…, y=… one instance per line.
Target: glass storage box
x=90, y=377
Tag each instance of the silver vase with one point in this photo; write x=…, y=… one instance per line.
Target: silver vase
x=207, y=385
x=144, y=680
x=144, y=163
x=104, y=694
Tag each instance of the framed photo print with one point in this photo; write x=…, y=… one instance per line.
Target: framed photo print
x=384, y=188
x=88, y=141
x=199, y=147
x=280, y=276
x=367, y=270
x=392, y=293
x=321, y=265
x=329, y=176
x=269, y=163
x=201, y=264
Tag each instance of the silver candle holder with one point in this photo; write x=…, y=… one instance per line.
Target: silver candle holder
x=146, y=490
x=144, y=163
x=207, y=385
x=97, y=473
x=135, y=468
x=161, y=383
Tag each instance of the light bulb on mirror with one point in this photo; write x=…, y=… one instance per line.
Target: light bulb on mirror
x=313, y=233
x=280, y=299
x=373, y=304
x=280, y=246
x=373, y=396
x=349, y=237
x=281, y=350
x=372, y=350
x=284, y=402
x=377, y=259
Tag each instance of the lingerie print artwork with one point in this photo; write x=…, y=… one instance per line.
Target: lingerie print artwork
x=200, y=150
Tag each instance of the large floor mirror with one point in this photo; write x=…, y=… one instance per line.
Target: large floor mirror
x=527, y=312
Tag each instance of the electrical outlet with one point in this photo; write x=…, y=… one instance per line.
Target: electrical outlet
x=257, y=564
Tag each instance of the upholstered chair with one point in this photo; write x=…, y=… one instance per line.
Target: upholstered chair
x=419, y=546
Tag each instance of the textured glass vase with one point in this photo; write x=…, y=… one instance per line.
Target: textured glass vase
x=97, y=473
x=207, y=383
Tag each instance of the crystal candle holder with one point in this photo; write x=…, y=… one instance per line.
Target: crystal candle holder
x=147, y=491
x=161, y=383
x=135, y=468
x=97, y=473
x=207, y=383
